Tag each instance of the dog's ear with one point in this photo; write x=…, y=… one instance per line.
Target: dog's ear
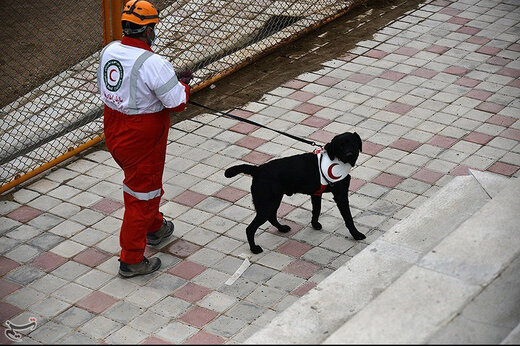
x=359, y=141
x=330, y=148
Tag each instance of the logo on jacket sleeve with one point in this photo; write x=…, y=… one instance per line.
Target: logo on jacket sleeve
x=113, y=75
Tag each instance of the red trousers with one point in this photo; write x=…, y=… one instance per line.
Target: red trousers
x=138, y=145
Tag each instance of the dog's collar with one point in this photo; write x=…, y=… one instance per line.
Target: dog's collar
x=331, y=171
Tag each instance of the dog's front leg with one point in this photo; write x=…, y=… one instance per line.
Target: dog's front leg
x=340, y=193
x=316, y=211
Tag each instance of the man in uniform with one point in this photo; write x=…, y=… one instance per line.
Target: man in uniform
x=139, y=89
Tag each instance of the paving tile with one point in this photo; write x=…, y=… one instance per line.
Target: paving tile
x=250, y=142
x=100, y=327
x=96, y=302
x=192, y=292
x=24, y=275
x=48, y=261
x=91, y=257
x=294, y=248
x=205, y=338
x=301, y=269
x=511, y=133
x=107, y=206
x=6, y=265
x=198, y=316
x=256, y=157
x=427, y=176
x=50, y=307
x=406, y=144
x=50, y=332
x=7, y=311
x=74, y=317
x=182, y=249
x=176, y=332
x=503, y=168
x=231, y=194
x=304, y=288
x=315, y=121
x=442, y=141
x=387, y=180
x=24, y=214
x=7, y=287
x=478, y=137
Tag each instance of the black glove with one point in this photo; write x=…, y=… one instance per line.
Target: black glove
x=185, y=76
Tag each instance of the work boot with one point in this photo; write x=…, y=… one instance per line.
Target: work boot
x=164, y=232
x=146, y=266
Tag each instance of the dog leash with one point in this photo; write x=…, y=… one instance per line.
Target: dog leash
x=256, y=124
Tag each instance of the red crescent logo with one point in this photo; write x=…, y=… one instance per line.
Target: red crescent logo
x=329, y=171
x=110, y=75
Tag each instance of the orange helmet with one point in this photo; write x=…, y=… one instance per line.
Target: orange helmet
x=140, y=12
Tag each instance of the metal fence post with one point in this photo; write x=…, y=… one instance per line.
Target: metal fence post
x=112, y=20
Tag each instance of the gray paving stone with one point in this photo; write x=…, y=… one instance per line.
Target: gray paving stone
x=176, y=332
x=225, y=326
x=123, y=312
x=245, y=311
x=46, y=241
x=74, y=317
x=70, y=270
x=100, y=327
x=50, y=332
x=266, y=296
x=166, y=283
x=24, y=275
x=49, y=307
x=170, y=307
x=76, y=338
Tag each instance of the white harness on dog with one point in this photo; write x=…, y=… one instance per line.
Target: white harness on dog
x=331, y=171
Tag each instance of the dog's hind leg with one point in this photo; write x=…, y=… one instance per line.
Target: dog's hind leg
x=251, y=230
x=273, y=219
x=316, y=210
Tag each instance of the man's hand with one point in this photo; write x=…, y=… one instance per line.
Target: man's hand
x=185, y=76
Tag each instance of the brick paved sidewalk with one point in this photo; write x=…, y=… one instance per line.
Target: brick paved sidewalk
x=433, y=93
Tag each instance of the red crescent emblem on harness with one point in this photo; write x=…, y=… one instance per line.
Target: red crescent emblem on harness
x=110, y=75
x=329, y=171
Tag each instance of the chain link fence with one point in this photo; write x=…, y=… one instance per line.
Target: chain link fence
x=49, y=100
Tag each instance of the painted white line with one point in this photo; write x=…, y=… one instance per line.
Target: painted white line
x=239, y=271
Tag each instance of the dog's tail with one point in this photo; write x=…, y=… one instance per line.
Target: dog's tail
x=247, y=169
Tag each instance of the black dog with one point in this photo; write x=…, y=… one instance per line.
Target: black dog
x=302, y=174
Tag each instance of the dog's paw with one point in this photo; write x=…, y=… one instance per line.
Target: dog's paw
x=358, y=235
x=316, y=225
x=284, y=229
x=256, y=249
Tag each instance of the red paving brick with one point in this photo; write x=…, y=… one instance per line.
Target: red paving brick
x=322, y=136
x=285, y=209
x=187, y=270
x=376, y=54
x=442, y=141
x=478, y=137
x=428, y=176
x=467, y=82
x=6, y=265
x=244, y=128
x=434, y=48
x=205, y=338
x=372, y=148
x=153, y=340
x=458, y=20
x=241, y=113
x=392, y=75
x=360, y=78
x=107, y=206
x=92, y=257
x=424, y=73
x=256, y=157
x=294, y=248
x=302, y=96
x=198, y=316
x=328, y=81
x=388, y=180
x=501, y=120
x=7, y=287
x=317, y=122
x=295, y=84
x=509, y=72
x=511, y=134
x=190, y=198
x=397, y=107
x=468, y=30
x=302, y=269
x=230, y=194
x=503, y=168
x=192, y=292
x=96, y=302
x=304, y=288
x=24, y=214
x=489, y=50
x=478, y=40
x=479, y=94
x=308, y=108
x=408, y=51
x=406, y=145
x=460, y=170
x=182, y=248
x=7, y=311
x=490, y=107
x=456, y=70
x=356, y=184
x=497, y=60
x=250, y=142
x=48, y=261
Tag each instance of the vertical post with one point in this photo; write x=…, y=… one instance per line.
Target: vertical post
x=111, y=20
